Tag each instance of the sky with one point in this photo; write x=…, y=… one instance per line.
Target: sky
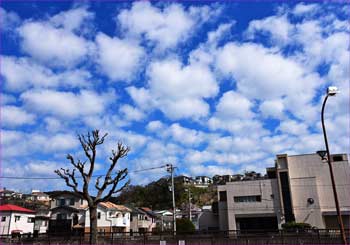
x=213, y=88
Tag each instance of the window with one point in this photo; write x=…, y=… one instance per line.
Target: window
x=222, y=196
x=247, y=199
x=338, y=158
x=71, y=201
x=30, y=220
x=3, y=219
x=61, y=216
x=60, y=202
x=98, y=215
x=17, y=218
x=110, y=213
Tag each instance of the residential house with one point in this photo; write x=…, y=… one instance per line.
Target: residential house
x=142, y=220
x=208, y=218
x=297, y=189
x=202, y=181
x=110, y=218
x=16, y=219
x=67, y=212
x=182, y=179
x=42, y=217
x=164, y=220
x=37, y=195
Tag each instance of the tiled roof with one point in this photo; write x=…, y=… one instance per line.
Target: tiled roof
x=110, y=205
x=15, y=208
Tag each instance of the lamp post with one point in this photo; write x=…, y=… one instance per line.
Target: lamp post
x=331, y=91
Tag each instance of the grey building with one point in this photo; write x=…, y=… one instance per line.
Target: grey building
x=297, y=189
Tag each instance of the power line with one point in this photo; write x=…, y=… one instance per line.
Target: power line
x=77, y=177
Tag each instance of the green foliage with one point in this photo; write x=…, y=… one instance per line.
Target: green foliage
x=184, y=226
x=157, y=195
x=295, y=226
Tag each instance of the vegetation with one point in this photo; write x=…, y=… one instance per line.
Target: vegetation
x=144, y=196
x=184, y=226
x=295, y=226
x=89, y=145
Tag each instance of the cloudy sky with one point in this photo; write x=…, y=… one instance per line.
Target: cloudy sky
x=212, y=88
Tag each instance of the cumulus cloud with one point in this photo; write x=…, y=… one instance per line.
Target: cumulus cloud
x=169, y=85
x=22, y=73
x=165, y=27
x=66, y=104
x=131, y=113
x=118, y=58
x=53, y=46
x=12, y=116
x=8, y=20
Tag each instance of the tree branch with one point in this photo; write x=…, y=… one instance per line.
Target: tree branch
x=122, y=174
x=69, y=177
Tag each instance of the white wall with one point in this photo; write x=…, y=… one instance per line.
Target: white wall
x=21, y=224
x=107, y=220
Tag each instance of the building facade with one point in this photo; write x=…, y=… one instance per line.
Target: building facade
x=110, y=218
x=297, y=189
x=15, y=219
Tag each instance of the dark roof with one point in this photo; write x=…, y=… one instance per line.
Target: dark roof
x=60, y=193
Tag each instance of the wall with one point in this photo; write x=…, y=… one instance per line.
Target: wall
x=4, y=226
x=269, y=205
x=303, y=167
x=106, y=220
x=21, y=224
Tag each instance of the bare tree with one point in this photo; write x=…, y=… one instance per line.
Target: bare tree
x=89, y=144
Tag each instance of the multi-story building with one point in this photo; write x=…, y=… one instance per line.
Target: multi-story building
x=15, y=219
x=202, y=181
x=67, y=212
x=297, y=189
x=110, y=218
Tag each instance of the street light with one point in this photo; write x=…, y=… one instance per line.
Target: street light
x=331, y=91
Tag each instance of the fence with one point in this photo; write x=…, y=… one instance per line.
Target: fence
x=312, y=236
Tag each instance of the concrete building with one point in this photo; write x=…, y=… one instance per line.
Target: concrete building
x=110, y=218
x=15, y=219
x=142, y=220
x=297, y=189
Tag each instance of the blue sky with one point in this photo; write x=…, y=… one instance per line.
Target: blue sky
x=214, y=88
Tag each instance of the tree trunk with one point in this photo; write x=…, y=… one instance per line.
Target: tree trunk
x=93, y=225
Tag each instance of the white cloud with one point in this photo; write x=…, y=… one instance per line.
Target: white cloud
x=73, y=19
x=209, y=170
x=302, y=8
x=53, y=46
x=272, y=108
x=8, y=20
x=155, y=126
x=293, y=127
x=12, y=116
x=66, y=104
x=169, y=84
x=278, y=27
x=234, y=105
x=164, y=27
x=119, y=59
x=130, y=113
x=18, y=143
x=23, y=73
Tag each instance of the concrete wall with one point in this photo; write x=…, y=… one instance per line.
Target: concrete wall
x=78, y=202
x=269, y=205
x=310, y=177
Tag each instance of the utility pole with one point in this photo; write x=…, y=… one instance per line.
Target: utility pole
x=189, y=204
x=170, y=169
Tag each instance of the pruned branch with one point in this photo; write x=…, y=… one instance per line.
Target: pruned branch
x=69, y=178
x=121, y=175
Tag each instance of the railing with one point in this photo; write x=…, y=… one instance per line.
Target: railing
x=305, y=236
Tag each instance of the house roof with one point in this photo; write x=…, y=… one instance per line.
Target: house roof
x=110, y=205
x=14, y=208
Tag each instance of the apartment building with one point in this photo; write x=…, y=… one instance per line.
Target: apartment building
x=297, y=189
